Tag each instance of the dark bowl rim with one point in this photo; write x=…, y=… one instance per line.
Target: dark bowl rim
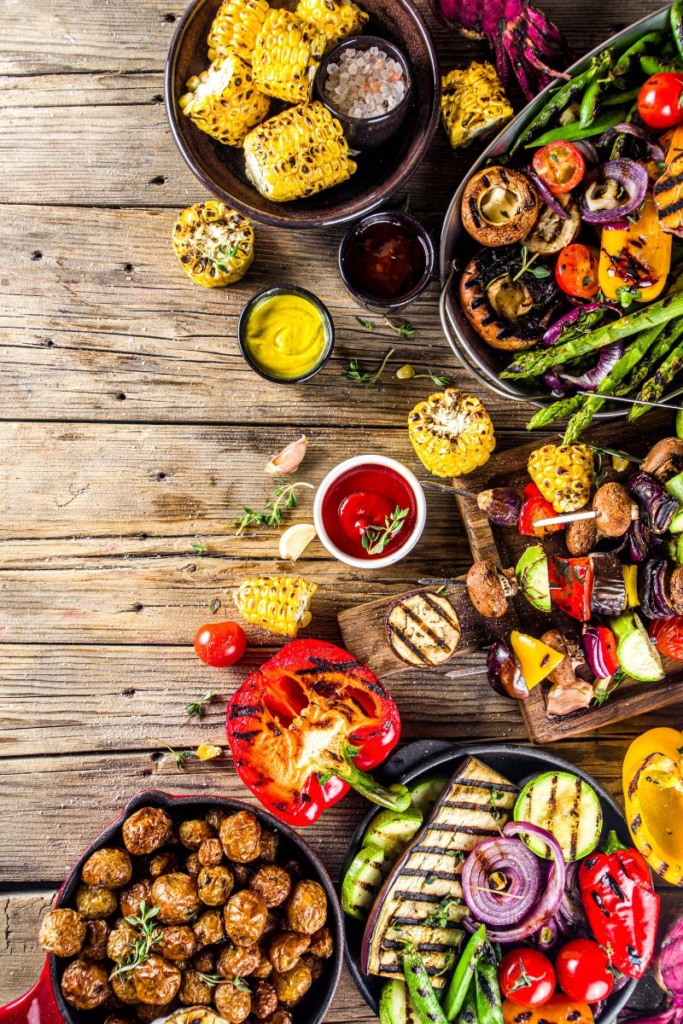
x=422, y=233
x=285, y=289
x=363, y=121
x=358, y=206
x=463, y=349
x=436, y=754
x=170, y=803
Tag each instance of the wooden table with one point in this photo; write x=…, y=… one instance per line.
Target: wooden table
x=132, y=429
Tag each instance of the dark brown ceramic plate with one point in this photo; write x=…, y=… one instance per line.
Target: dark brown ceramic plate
x=380, y=171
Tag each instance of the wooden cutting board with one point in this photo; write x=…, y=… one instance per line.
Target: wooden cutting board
x=363, y=629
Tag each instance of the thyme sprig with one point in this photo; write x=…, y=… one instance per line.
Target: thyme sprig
x=367, y=379
x=194, y=710
x=404, y=330
x=284, y=498
x=376, y=538
x=142, y=947
x=179, y=756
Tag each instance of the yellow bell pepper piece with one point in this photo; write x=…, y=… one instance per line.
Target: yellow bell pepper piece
x=536, y=660
x=653, y=795
x=643, y=252
x=630, y=574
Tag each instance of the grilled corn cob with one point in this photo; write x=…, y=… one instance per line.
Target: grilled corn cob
x=473, y=103
x=224, y=102
x=235, y=27
x=280, y=604
x=297, y=153
x=563, y=474
x=286, y=55
x=215, y=245
x=451, y=433
x=338, y=19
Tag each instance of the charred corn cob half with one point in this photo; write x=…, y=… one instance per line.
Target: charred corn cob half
x=451, y=433
x=214, y=244
x=297, y=153
x=224, y=102
x=286, y=55
x=337, y=19
x=235, y=27
x=280, y=604
x=563, y=474
x=473, y=103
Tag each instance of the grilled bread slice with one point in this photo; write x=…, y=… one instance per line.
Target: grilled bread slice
x=422, y=901
x=668, y=196
x=423, y=628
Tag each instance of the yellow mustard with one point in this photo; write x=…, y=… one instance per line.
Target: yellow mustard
x=285, y=335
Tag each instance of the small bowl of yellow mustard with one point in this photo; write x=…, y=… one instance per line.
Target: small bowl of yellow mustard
x=286, y=334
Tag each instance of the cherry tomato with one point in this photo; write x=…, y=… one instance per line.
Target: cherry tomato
x=608, y=647
x=220, y=643
x=576, y=271
x=660, y=100
x=526, y=977
x=560, y=166
x=583, y=971
x=668, y=636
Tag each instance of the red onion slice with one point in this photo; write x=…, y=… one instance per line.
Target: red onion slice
x=546, y=195
x=589, y=381
x=593, y=651
x=522, y=869
x=553, y=333
x=630, y=175
x=654, y=149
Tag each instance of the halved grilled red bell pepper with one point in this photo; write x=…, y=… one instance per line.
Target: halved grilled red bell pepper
x=571, y=585
x=534, y=507
x=306, y=726
x=621, y=905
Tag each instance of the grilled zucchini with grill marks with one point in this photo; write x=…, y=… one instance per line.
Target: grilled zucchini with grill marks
x=565, y=805
x=421, y=901
x=423, y=628
x=363, y=880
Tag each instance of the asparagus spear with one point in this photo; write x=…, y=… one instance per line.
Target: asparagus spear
x=642, y=371
x=654, y=387
x=557, y=411
x=534, y=362
x=631, y=357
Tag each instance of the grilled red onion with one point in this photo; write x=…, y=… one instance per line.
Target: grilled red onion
x=655, y=601
x=522, y=869
x=593, y=652
x=587, y=150
x=630, y=175
x=657, y=506
x=668, y=964
x=548, y=903
x=502, y=505
x=546, y=195
x=655, y=151
x=571, y=914
x=556, y=329
x=548, y=935
x=589, y=381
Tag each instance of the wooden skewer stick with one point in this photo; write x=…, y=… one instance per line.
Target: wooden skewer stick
x=573, y=517
x=631, y=401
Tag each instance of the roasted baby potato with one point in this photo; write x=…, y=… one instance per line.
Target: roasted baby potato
x=307, y=907
x=62, y=932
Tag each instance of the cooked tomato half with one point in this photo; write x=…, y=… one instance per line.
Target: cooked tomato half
x=668, y=636
x=576, y=271
x=560, y=166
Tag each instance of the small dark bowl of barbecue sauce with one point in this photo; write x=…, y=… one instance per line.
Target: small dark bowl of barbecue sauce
x=386, y=259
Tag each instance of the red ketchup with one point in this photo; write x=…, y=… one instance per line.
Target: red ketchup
x=385, y=260
x=363, y=497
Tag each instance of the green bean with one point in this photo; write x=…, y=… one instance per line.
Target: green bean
x=534, y=362
x=425, y=999
x=659, y=65
x=574, y=131
x=676, y=22
x=648, y=42
x=622, y=96
x=489, y=1007
x=463, y=974
x=593, y=94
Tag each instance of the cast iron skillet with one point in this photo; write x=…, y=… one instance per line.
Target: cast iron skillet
x=438, y=757
x=44, y=1003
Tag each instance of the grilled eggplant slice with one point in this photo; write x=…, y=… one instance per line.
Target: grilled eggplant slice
x=422, y=901
x=668, y=196
x=479, y=284
x=423, y=628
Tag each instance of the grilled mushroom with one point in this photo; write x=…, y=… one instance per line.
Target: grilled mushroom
x=499, y=206
x=665, y=459
x=613, y=509
x=489, y=588
x=552, y=232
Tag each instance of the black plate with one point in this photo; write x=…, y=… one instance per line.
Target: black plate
x=316, y=1003
x=434, y=757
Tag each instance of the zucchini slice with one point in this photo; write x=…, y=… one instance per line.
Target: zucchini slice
x=363, y=880
x=425, y=795
x=395, y=1004
x=565, y=805
x=391, y=831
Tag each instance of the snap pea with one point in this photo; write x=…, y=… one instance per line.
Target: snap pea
x=651, y=65
x=591, y=100
x=676, y=22
x=468, y=1014
x=617, y=99
x=573, y=132
x=489, y=1006
x=425, y=999
x=647, y=43
x=463, y=974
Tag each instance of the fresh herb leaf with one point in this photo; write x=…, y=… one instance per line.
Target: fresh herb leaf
x=527, y=262
x=539, y=272
x=367, y=325
x=179, y=756
x=376, y=538
x=495, y=811
x=284, y=498
x=142, y=947
x=405, y=330
x=223, y=253
x=439, y=919
x=211, y=979
x=240, y=983
x=442, y=591
x=194, y=710
x=367, y=379
x=199, y=547
x=214, y=605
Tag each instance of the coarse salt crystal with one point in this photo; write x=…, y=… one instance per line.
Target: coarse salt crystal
x=365, y=83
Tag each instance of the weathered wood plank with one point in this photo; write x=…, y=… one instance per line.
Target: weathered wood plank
x=70, y=89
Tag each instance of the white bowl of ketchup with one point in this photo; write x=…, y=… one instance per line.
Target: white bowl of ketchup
x=361, y=495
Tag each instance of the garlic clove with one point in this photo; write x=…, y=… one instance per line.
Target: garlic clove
x=296, y=539
x=289, y=459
